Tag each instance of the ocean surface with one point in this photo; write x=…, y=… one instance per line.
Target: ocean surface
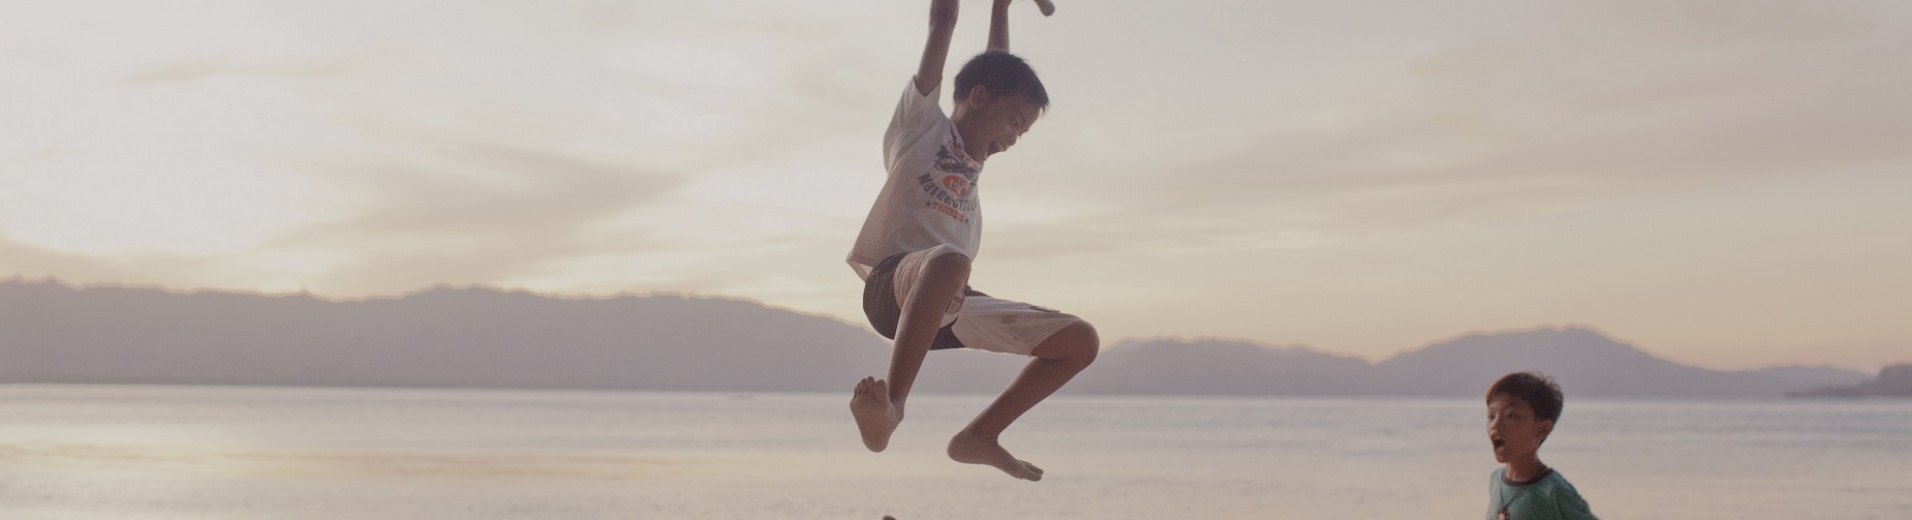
x=138, y=452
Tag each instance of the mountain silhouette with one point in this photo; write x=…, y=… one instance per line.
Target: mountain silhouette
x=444, y=337
x=1584, y=360
x=1220, y=367
x=486, y=338
x=1893, y=381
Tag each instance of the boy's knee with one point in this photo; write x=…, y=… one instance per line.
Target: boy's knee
x=951, y=261
x=1078, y=342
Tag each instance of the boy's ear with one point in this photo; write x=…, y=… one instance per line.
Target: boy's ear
x=1546, y=429
x=977, y=97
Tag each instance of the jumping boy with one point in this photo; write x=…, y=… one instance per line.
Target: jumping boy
x=1521, y=410
x=916, y=247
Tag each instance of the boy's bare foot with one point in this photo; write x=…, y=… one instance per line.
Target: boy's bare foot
x=876, y=417
x=1048, y=8
x=968, y=449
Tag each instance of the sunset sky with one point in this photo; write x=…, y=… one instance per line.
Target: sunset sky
x=1726, y=183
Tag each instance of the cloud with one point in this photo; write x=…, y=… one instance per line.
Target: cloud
x=24, y=260
x=1530, y=110
x=434, y=208
x=458, y=142
x=1704, y=23
x=211, y=67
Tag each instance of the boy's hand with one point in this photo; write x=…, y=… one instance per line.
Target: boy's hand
x=1048, y=8
x=999, y=22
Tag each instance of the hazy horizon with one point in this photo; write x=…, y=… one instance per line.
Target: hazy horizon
x=1721, y=180
x=1107, y=343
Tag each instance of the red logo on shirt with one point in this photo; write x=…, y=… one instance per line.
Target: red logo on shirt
x=957, y=185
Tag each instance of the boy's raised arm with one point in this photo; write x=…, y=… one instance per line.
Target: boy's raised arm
x=942, y=23
x=999, y=26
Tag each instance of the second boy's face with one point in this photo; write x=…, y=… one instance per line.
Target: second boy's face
x=1513, y=429
x=992, y=124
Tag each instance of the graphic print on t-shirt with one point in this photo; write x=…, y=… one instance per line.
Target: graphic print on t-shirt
x=946, y=161
x=950, y=193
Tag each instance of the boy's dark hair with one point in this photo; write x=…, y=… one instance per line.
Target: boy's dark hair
x=1539, y=391
x=1003, y=74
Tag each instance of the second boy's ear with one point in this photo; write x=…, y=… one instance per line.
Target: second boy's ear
x=1546, y=429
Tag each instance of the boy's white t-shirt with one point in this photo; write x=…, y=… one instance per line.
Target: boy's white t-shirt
x=930, y=196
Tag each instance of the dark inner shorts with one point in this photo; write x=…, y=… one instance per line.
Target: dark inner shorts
x=881, y=307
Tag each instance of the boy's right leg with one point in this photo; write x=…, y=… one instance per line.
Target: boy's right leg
x=877, y=404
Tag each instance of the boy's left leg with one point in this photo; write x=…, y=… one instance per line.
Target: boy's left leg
x=1057, y=360
x=1061, y=345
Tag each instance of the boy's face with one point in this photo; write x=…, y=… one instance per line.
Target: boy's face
x=991, y=124
x=1513, y=429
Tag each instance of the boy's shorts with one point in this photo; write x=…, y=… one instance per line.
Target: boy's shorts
x=971, y=320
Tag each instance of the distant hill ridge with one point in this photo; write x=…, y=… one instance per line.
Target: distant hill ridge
x=1893, y=381
x=475, y=337
x=1584, y=361
x=443, y=337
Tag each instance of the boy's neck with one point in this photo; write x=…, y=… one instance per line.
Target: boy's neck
x=962, y=147
x=1525, y=468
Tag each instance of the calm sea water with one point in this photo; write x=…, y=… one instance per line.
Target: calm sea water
x=103, y=452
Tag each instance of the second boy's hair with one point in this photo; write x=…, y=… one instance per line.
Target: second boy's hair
x=1003, y=74
x=1537, y=390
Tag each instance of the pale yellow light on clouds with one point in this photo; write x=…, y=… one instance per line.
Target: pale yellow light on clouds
x=1717, y=180
x=1359, y=221
x=84, y=158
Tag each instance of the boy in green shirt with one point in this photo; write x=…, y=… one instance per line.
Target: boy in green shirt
x=1521, y=410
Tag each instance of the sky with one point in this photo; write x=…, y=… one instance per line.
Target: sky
x=1720, y=182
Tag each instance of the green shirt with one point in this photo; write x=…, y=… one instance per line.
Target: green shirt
x=1546, y=498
